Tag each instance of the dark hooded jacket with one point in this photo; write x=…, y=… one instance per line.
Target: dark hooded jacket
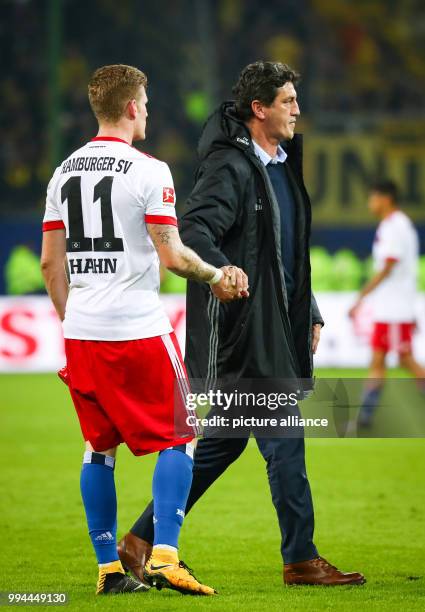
x=232, y=218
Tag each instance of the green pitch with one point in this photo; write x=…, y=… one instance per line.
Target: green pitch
x=369, y=499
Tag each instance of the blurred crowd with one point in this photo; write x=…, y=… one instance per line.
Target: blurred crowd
x=356, y=56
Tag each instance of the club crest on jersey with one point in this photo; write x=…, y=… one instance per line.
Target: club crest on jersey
x=168, y=196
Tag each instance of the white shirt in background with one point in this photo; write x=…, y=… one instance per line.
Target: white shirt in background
x=394, y=298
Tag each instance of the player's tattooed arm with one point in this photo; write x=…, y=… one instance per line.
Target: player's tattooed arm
x=176, y=257
x=229, y=284
x=163, y=235
x=53, y=269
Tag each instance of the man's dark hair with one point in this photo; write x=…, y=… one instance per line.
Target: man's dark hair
x=386, y=187
x=260, y=81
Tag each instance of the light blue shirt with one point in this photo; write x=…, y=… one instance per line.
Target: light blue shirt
x=279, y=158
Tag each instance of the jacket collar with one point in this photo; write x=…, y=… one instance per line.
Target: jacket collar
x=279, y=158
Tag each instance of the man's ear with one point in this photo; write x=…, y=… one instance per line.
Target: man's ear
x=258, y=109
x=132, y=109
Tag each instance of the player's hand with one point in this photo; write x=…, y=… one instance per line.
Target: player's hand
x=354, y=310
x=233, y=285
x=315, y=337
x=237, y=280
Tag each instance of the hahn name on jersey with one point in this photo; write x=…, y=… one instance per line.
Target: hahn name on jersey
x=101, y=265
x=104, y=195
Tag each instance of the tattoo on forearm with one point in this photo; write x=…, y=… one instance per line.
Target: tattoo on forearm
x=161, y=236
x=164, y=236
x=189, y=264
x=197, y=269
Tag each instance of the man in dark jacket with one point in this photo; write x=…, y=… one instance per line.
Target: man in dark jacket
x=249, y=207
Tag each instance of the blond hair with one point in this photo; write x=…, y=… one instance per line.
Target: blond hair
x=111, y=88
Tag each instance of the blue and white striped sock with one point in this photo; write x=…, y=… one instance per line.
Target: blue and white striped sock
x=100, y=503
x=171, y=484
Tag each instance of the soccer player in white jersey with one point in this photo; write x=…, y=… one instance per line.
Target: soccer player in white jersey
x=110, y=210
x=393, y=288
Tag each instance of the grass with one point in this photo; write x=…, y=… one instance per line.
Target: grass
x=369, y=499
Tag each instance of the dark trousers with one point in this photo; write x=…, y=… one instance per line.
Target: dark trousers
x=288, y=484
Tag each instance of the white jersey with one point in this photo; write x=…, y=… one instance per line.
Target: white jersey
x=104, y=194
x=394, y=298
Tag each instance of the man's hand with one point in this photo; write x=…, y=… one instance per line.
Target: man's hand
x=233, y=285
x=371, y=285
x=317, y=328
x=354, y=309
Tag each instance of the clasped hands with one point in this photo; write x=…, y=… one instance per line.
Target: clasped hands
x=233, y=285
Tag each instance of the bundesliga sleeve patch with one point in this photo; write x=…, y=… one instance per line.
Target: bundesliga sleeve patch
x=168, y=196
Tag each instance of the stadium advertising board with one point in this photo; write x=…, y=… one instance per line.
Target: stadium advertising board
x=338, y=172
x=31, y=334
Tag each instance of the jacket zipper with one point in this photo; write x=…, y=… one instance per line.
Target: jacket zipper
x=279, y=282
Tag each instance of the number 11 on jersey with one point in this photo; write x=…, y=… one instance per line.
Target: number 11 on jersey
x=77, y=241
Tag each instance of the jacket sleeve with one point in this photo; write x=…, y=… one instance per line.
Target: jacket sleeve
x=211, y=210
x=315, y=312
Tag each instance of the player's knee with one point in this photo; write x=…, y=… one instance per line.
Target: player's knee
x=96, y=446
x=187, y=449
x=405, y=359
x=378, y=361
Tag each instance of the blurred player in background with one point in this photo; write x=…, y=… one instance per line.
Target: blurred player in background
x=393, y=292
x=111, y=210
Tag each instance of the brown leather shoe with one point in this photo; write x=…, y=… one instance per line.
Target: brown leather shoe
x=319, y=571
x=134, y=554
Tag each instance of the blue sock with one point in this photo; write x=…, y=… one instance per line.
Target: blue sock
x=100, y=503
x=369, y=403
x=171, y=484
